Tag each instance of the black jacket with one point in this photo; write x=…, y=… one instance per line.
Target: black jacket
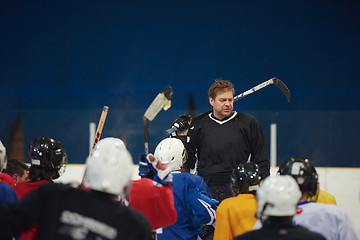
x=220, y=145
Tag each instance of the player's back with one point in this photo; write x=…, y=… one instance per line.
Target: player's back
x=326, y=219
x=235, y=216
x=68, y=213
x=192, y=201
x=280, y=232
x=7, y=193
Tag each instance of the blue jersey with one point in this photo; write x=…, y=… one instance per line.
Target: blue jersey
x=194, y=206
x=7, y=194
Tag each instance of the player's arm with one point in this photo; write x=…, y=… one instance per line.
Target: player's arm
x=19, y=217
x=155, y=201
x=154, y=197
x=201, y=205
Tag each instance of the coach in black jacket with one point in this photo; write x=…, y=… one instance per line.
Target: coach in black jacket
x=222, y=139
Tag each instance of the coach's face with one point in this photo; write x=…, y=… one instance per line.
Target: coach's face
x=222, y=104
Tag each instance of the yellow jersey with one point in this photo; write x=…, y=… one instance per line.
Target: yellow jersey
x=324, y=197
x=235, y=216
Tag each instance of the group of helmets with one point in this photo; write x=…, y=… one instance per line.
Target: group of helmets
x=279, y=195
x=109, y=167
x=45, y=153
x=109, y=170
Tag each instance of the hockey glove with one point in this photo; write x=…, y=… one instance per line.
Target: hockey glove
x=162, y=171
x=180, y=126
x=144, y=169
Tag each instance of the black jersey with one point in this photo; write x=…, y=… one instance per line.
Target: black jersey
x=219, y=145
x=63, y=212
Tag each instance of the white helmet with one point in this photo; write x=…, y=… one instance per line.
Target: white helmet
x=108, y=169
x=278, y=196
x=3, y=159
x=171, y=151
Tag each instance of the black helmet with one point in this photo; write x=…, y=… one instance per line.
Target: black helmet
x=49, y=154
x=303, y=171
x=245, y=178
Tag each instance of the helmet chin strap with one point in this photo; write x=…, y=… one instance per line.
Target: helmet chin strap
x=261, y=213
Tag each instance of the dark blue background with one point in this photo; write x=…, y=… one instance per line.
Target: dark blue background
x=62, y=61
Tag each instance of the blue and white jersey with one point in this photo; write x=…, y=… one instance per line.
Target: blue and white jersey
x=194, y=206
x=329, y=220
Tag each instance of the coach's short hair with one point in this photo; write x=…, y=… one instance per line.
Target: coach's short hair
x=219, y=86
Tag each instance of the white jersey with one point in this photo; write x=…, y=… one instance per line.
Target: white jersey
x=329, y=220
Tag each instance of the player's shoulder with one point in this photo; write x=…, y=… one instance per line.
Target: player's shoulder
x=5, y=185
x=306, y=233
x=201, y=116
x=189, y=177
x=6, y=189
x=227, y=203
x=316, y=205
x=239, y=200
x=244, y=115
x=325, y=209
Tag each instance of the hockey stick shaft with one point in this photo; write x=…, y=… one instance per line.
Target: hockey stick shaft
x=97, y=135
x=275, y=81
x=99, y=127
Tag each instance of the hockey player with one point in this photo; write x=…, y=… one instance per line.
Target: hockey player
x=63, y=212
x=152, y=195
x=7, y=193
x=15, y=172
x=48, y=159
x=193, y=201
x=224, y=138
x=236, y=215
x=323, y=197
x=277, y=198
x=328, y=220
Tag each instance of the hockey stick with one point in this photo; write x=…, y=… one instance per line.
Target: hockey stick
x=275, y=81
x=97, y=135
x=99, y=127
x=161, y=101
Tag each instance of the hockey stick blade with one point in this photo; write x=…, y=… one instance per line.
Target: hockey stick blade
x=161, y=101
x=275, y=81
